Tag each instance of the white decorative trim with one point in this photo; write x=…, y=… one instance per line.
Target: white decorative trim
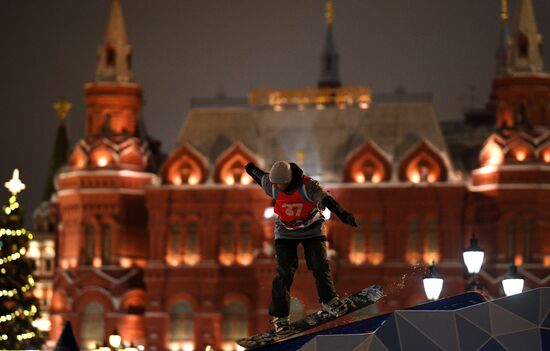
x=108, y=172
x=516, y=167
x=68, y=192
x=488, y=187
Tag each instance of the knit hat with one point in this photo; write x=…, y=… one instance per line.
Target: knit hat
x=280, y=172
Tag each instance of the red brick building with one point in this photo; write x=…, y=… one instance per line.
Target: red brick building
x=181, y=257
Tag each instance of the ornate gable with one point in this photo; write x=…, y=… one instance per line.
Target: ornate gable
x=367, y=164
x=423, y=163
x=185, y=166
x=230, y=165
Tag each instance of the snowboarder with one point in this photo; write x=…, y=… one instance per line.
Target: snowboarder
x=299, y=201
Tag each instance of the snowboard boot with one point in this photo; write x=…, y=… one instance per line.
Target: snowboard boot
x=281, y=325
x=335, y=307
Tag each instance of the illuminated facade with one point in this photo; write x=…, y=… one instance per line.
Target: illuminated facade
x=182, y=257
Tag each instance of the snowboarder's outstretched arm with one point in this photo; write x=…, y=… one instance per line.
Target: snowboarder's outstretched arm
x=316, y=193
x=256, y=173
x=334, y=207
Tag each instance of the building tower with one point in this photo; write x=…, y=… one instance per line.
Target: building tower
x=46, y=219
x=502, y=53
x=521, y=83
x=330, y=77
x=515, y=158
x=103, y=241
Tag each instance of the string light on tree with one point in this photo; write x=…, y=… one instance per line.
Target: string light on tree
x=18, y=306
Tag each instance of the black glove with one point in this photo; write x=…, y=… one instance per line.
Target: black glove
x=348, y=219
x=334, y=207
x=254, y=172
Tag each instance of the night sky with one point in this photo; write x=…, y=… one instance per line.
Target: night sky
x=184, y=49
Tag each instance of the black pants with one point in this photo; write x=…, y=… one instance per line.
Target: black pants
x=286, y=251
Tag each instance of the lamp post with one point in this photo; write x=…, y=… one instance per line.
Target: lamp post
x=115, y=339
x=433, y=283
x=473, y=259
x=512, y=281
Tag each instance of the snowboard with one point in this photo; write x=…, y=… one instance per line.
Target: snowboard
x=354, y=302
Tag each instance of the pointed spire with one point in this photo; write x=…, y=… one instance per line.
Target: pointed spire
x=115, y=54
x=502, y=56
x=66, y=341
x=330, y=77
x=526, y=53
x=60, y=148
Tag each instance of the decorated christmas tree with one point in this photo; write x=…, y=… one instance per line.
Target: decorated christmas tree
x=18, y=306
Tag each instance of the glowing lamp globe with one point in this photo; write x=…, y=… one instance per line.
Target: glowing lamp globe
x=433, y=283
x=269, y=212
x=473, y=257
x=512, y=282
x=115, y=339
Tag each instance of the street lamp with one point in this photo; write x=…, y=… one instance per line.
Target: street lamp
x=473, y=259
x=269, y=212
x=512, y=281
x=433, y=283
x=473, y=256
x=115, y=339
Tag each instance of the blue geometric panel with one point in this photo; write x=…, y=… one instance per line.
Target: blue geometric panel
x=387, y=333
x=544, y=304
x=545, y=339
x=470, y=336
x=377, y=345
x=412, y=339
x=478, y=314
x=526, y=340
x=546, y=323
x=439, y=326
x=492, y=345
x=504, y=322
x=364, y=346
x=526, y=305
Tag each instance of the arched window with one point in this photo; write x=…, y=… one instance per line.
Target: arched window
x=423, y=170
x=545, y=154
x=237, y=170
x=102, y=156
x=185, y=172
x=89, y=243
x=376, y=244
x=523, y=45
x=510, y=234
x=192, y=243
x=528, y=226
x=174, y=243
x=235, y=321
x=245, y=243
x=111, y=55
x=227, y=248
x=92, y=325
x=181, y=323
x=432, y=241
x=413, y=241
x=129, y=60
x=106, y=243
x=368, y=169
x=357, y=254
